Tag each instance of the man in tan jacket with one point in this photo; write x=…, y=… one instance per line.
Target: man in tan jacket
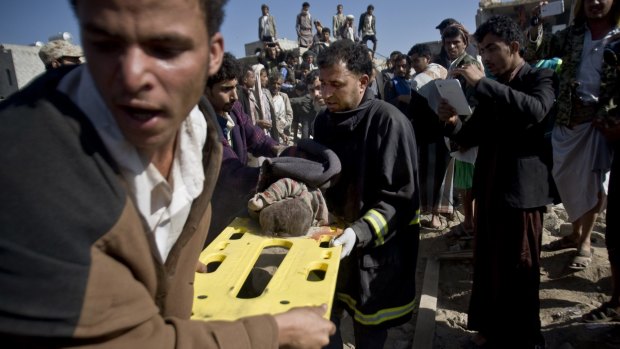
x=108, y=174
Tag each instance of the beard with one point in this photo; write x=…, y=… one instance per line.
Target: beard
x=227, y=107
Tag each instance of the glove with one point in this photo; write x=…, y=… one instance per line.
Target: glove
x=347, y=239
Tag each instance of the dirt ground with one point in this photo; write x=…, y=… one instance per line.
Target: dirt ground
x=565, y=294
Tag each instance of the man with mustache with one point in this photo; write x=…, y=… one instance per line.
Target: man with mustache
x=237, y=181
x=511, y=184
x=376, y=196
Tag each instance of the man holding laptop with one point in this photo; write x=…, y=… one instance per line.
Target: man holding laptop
x=510, y=183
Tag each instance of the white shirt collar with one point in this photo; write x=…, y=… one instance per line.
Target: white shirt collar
x=164, y=206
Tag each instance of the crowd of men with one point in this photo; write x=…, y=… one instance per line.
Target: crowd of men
x=342, y=28
x=118, y=171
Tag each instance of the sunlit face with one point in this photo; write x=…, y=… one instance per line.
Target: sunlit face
x=272, y=52
x=497, y=56
x=325, y=36
x=149, y=75
x=341, y=89
x=454, y=46
x=401, y=68
x=249, y=80
x=275, y=86
x=597, y=9
x=66, y=60
x=222, y=95
x=419, y=63
x=291, y=61
x=264, y=78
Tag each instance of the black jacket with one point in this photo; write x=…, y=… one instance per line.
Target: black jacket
x=377, y=195
x=508, y=125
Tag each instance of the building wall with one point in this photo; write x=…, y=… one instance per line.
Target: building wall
x=8, y=81
x=27, y=63
x=520, y=11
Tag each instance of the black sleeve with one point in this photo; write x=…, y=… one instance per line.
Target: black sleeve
x=428, y=129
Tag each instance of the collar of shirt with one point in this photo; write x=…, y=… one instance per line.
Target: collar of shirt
x=227, y=124
x=590, y=67
x=516, y=71
x=163, y=205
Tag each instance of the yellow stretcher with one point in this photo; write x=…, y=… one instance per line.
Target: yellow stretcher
x=306, y=276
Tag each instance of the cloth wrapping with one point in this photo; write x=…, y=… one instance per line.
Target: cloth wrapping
x=309, y=162
x=287, y=188
x=299, y=175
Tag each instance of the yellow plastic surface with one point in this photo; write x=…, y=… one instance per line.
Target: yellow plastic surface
x=236, y=250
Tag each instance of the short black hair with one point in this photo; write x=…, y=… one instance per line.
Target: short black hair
x=454, y=31
x=229, y=70
x=394, y=53
x=212, y=9
x=305, y=4
x=402, y=56
x=370, y=7
x=503, y=27
x=354, y=55
x=304, y=65
x=300, y=86
x=308, y=53
x=310, y=77
x=244, y=70
x=325, y=30
x=275, y=76
x=291, y=54
x=421, y=50
x=263, y=6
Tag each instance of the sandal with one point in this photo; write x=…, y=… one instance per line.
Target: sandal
x=605, y=313
x=560, y=244
x=581, y=260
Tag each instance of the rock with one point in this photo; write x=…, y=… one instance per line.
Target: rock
x=565, y=229
x=551, y=221
x=599, y=226
x=560, y=212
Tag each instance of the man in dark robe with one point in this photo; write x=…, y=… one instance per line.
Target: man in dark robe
x=511, y=185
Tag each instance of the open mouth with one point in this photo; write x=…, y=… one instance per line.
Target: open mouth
x=139, y=115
